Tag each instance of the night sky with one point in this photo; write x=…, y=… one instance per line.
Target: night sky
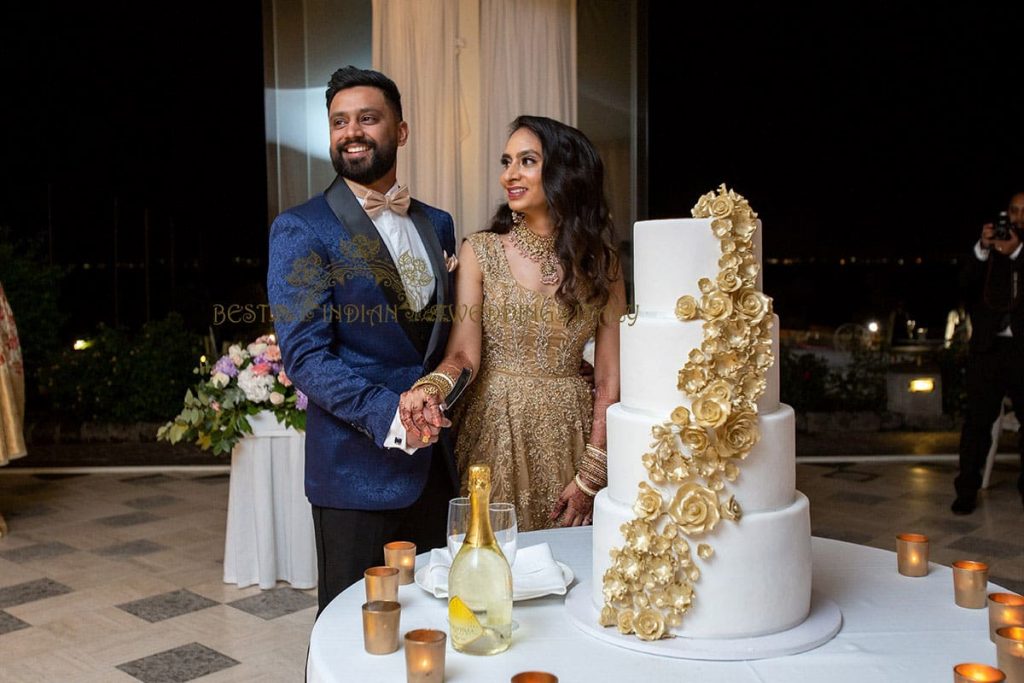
x=874, y=130
x=869, y=131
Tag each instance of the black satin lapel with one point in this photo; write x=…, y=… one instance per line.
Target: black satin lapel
x=437, y=262
x=346, y=207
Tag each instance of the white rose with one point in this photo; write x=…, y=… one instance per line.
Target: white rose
x=220, y=380
x=238, y=356
x=276, y=398
x=256, y=348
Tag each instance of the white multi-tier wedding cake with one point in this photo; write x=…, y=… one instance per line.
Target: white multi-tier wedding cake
x=701, y=532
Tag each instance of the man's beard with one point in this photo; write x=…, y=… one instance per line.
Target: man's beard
x=370, y=169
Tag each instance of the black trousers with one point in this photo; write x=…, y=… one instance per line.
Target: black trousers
x=991, y=375
x=350, y=541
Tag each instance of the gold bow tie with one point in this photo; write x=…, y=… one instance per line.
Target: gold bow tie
x=374, y=203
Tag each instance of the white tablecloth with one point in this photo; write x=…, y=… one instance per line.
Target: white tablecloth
x=269, y=534
x=895, y=628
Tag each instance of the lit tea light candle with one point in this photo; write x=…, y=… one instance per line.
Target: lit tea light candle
x=381, y=583
x=401, y=554
x=977, y=673
x=1010, y=652
x=534, y=677
x=380, y=626
x=912, y=554
x=1004, y=609
x=970, y=581
x=424, y=656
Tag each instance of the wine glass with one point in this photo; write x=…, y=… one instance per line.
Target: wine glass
x=506, y=529
x=503, y=523
x=458, y=522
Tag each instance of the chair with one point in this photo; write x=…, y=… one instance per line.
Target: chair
x=1007, y=420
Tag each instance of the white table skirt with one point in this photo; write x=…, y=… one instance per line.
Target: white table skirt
x=269, y=534
x=895, y=628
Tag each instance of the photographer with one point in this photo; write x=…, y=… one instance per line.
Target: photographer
x=993, y=280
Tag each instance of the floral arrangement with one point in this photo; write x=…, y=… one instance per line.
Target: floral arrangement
x=244, y=382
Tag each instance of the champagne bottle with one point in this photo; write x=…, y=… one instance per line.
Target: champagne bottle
x=480, y=580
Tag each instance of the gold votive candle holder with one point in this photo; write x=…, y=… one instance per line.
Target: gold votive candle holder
x=424, y=656
x=401, y=554
x=1004, y=609
x=381, y=584
x=977, y=673
x=380, y=626
x=970, y=584
x=1010, y=652
x=912, y=554
x=534, y=677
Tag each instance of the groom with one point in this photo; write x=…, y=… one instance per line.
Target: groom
x=356, y=278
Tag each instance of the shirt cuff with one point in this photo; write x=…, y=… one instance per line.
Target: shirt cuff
x=980, y=251
x=396, y=436
x=1016, y=252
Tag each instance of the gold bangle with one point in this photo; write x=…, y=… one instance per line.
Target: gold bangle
x=431, y=386
x=583, y=487
x=448, y=381
x=597, y=450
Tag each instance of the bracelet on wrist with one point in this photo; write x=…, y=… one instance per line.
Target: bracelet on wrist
x=583, y=487
x=434, y=385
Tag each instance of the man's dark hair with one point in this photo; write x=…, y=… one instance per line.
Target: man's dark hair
x=352, y=77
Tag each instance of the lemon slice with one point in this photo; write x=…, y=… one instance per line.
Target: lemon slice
x=465, y=626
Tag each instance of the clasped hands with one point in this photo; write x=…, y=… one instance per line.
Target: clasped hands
x=422, y=415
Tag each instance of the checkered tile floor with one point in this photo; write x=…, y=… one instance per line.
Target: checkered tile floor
x=117, y=577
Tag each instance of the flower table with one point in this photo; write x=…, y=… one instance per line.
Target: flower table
x=269, y=534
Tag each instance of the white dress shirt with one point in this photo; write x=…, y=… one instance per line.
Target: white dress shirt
x=400, y=236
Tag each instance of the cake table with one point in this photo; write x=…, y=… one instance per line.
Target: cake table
x=895, y=628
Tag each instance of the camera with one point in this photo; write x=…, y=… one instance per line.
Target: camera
x=1002, y=227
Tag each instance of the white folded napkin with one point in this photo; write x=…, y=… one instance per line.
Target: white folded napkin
x=535, y=572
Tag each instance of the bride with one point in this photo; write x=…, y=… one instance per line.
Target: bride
x=531, y=290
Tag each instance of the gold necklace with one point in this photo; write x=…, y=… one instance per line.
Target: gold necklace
x=537, y=248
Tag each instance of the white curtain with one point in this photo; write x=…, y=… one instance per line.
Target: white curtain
x=415, y=43
x=466, y=68
x=528, y=66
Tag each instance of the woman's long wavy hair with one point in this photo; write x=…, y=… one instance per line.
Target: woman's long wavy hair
x=573, y=179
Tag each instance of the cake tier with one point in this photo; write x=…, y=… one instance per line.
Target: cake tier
x=671, y=256
x=767, y=476
x=654, y=348
x=758, y=581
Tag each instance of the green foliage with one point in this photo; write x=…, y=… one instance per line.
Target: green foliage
x=862, y=385
x=803, y=378
x=32, y=288
x=123, y=376
x=810, y=385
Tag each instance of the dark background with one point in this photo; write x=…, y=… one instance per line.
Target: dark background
x=873, y=140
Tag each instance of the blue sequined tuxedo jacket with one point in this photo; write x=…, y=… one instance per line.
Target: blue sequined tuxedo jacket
x=352, y=347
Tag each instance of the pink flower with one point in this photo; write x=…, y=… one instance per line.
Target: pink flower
x=215, y=406
x=273, y=353
x=283, y=379
x=260, y=369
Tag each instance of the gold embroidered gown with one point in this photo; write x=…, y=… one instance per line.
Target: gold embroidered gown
x=12, y=387
x=528, y=414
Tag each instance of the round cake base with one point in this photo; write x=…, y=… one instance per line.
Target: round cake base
x=821, y=625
